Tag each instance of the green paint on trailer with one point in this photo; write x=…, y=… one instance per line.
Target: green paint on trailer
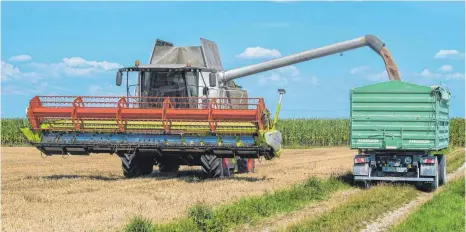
x=400, y=116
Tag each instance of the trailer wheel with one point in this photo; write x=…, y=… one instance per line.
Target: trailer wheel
x=168, y=166
x=245, y=165
x=134, y=165
x=213, y=166
x=366, y=184
x=432, y=186
x=442, y=176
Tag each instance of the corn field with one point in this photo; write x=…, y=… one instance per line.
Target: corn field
x=296, y=132
x=314, y=132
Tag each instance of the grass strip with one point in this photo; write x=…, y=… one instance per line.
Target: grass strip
x=455, y=159
x=363, y=207
x=444, y=212
x=203, y=217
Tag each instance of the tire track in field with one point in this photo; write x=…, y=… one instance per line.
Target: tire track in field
x=312, y=210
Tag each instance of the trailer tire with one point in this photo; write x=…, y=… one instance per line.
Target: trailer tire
x=432, y=186
x=134, y=165
x=246, y=165
x=442, y=176
x=366, y=184
x=214, y=167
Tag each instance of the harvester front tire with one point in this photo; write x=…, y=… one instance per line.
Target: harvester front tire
x=214, y=167
x=245, y=165
x=135, y=166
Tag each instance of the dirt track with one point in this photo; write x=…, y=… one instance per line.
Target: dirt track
x=89, y=193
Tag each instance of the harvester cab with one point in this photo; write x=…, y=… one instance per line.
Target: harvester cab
x=185, y=110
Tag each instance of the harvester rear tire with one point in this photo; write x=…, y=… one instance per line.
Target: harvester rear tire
x=135, y=166
x=214, y=167
x=244, y=166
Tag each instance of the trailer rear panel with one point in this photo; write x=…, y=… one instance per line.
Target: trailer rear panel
x=400, y=116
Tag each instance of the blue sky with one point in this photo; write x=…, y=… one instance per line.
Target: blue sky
x=60, y=48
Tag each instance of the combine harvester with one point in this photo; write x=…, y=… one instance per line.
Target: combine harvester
x=186, y=111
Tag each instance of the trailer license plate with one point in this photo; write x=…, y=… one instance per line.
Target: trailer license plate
x=394, y=169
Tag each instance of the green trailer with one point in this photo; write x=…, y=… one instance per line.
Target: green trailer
x=396, y=126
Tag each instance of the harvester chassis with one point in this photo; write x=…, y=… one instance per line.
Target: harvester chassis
x=138, y=160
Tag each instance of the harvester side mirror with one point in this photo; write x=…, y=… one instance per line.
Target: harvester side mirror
x=212, y=79
x=281, y=91
x=119, y=77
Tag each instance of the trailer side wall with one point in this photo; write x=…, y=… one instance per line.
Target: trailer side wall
x=400, y=116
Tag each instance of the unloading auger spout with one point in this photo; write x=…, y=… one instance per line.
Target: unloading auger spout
x=369, y=40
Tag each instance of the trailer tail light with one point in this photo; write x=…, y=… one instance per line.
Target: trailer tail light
x=428, y=161
x=359, y=160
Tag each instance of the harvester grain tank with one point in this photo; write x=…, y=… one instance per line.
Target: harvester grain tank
x=400, y=130
x=185, y=110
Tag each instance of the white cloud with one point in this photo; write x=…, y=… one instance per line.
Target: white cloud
x=378, y=76
x=363, y=71
x=259, y=52
x=10, y=72
x=20, y=58
x=453, y=54
x=281, y=75
x=78, y=62
x=272, y=77
x=314, y=80
x=75, y=66
x=9, y=89
x=456, y=75
x=290, y=70
x=359, y=70
x=109, y=90
x=428, y=74
x=446, y=68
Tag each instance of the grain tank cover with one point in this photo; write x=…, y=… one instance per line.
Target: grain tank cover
x=399, y=115
x=206, y=55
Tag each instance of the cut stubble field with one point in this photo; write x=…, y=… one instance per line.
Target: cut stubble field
x=90, y=194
